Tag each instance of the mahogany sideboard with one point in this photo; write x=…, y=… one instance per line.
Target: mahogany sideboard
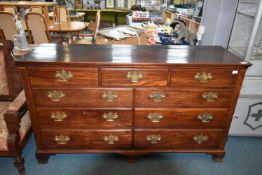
x=131, y=100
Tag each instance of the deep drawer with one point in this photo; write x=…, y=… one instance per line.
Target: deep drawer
x=63, y=76
x=83, y=119
x=82, y=97
x=180, y=118
x=190, y=139
x=183, y=98
x=134, y=77
x=86, y=139
x=204, y=77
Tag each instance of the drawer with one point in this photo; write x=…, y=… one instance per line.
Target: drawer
x=134, y=77
x=165, y=98
x=86, y=139
x=82, y=97
x=180, y=118
x=204, y=77
x=178, y=139
x=83, y=118
x=63, y=76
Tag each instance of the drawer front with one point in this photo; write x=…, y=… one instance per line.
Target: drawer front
x=83, y=119
x=204, y=77
x=63, y=76
x=62, y=97
x=86, y=139
x=163, y=98
x=134, y=77
x=180, y=118
x=194, y=139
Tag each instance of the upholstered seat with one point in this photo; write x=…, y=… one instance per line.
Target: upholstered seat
x=25, y=123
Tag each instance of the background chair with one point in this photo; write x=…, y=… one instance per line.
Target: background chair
x=93, y=27
x=37, y=9
x=15, y=125
x=61, y=14
x=7, y=25
x=37, y=28
x=11, y=9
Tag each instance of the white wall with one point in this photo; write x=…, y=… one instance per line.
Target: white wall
x=218, y=16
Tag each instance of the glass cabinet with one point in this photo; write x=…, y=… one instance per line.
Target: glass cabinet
x=246, y=42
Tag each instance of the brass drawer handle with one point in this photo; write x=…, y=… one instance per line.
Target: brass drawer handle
x=110, y=116
x=134, y=77
x=157, y=97
x=155, y=117
x=55, y=95
x=58, y=116
x=62, y=140
x=200, y=138
x=64, y=75
x=205, y=117
x=110, y=96
x=210, y=96
x=203, y=77
x=153, y=139
x=111, y=139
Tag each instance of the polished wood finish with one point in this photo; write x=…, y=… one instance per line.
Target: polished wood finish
x=70, y=26
x=81, y=77
x=84, y=97
x=157, y=99
x=177, y=139
x=220, y=77
x=118, y=77
x=182, y=98
x=180, y=118
x=86, y=139
x=84, y=119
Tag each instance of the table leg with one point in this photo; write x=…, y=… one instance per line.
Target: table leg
x=116, y=18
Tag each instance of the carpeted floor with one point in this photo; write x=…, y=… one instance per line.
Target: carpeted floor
x=243, y=157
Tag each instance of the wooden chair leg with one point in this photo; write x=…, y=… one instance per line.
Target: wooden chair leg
x=19, y=164
x=13, y=119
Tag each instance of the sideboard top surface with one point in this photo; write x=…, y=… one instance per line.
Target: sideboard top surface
x=52, y=54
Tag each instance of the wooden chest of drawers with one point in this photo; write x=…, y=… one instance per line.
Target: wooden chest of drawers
x=131, y=100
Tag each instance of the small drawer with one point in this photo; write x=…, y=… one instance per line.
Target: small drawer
x=166, y=98
x=180, y=118
x=178, y=139
x=83, y=119
x=63, y=76
x=86, y=139
x=204, y=77
x=82, y=97
x=134, y=77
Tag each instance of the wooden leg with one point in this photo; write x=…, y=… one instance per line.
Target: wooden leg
x=19, y=163
x=132, y=159
x=42, y=158
x=218, y=157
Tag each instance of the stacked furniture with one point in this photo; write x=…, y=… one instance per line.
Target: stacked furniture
x=131, y=99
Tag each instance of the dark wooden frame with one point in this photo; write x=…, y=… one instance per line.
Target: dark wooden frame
x=14, y=79
x=15, y=144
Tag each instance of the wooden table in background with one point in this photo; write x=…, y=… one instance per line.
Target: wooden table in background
x=72, y=26
x=44, y=5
